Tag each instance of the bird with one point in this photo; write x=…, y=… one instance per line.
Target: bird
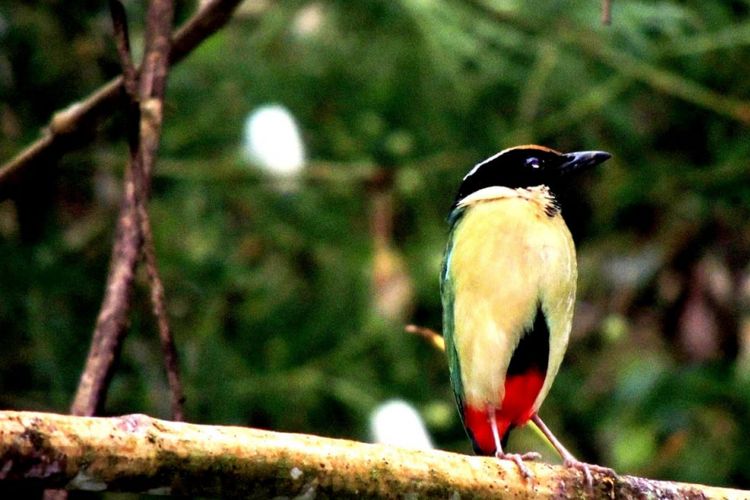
x=508, y=287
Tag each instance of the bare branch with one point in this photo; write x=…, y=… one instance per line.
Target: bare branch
x=122, y=40
x=139, y=453
x=158, y=305
x=428, y=334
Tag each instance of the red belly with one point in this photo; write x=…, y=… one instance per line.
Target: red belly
x=515, y=410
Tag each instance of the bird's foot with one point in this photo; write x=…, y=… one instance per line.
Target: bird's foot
x=587, y=469
x=518, y=459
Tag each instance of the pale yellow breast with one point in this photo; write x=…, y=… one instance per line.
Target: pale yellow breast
x=508, y=257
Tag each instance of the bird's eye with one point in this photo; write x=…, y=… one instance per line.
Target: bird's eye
x=533, y=162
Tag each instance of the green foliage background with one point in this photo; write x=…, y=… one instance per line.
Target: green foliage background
x=271, y=294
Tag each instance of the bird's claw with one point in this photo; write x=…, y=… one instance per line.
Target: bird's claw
x=586, y=469
x=518, y=459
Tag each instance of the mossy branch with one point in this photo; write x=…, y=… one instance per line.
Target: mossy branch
x=138, y=453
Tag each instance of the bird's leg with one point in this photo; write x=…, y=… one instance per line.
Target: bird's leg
x=568, y=459
x=515, y=457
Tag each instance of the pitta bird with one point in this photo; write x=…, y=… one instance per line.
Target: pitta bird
x=508, y=287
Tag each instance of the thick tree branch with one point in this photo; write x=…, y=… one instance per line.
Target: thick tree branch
x=68, y=126
x=139, y=453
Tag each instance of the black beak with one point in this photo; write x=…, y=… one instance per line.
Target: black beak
x=582, y=159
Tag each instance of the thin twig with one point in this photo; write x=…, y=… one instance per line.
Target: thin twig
x=152, y=97
x=122, y=40
x=158, y=304
x=429, y=334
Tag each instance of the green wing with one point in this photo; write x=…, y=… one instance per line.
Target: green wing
x=447, y=295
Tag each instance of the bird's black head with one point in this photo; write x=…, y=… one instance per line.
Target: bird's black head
x=527, y=166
